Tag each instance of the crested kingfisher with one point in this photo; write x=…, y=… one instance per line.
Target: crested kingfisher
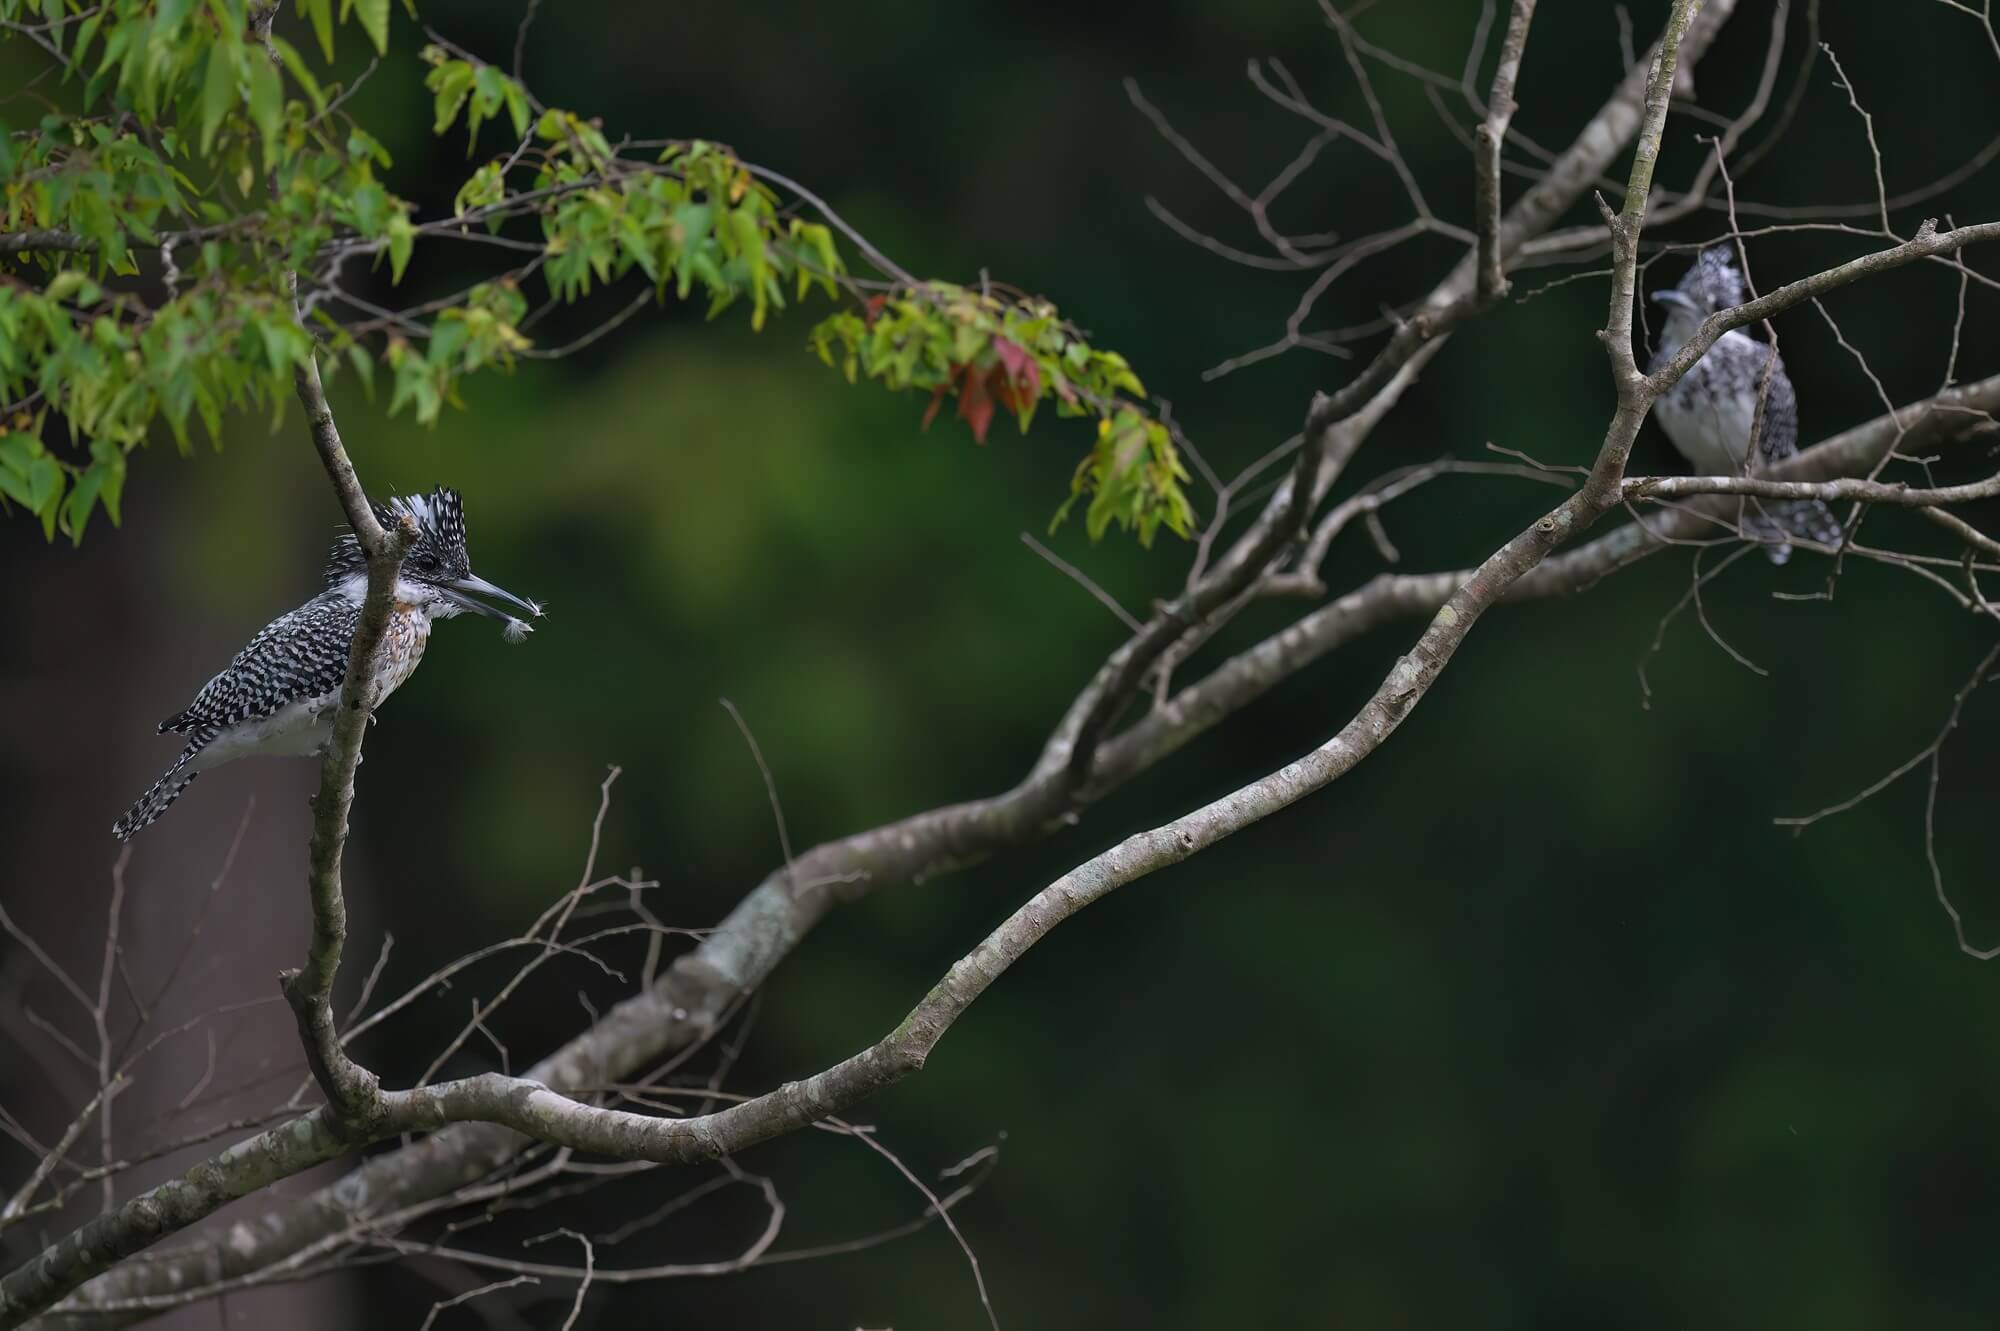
x=1711, y=412
x=277, y=697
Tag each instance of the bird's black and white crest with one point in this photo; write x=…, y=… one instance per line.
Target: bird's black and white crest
x=439, y=555
x=1713, y=282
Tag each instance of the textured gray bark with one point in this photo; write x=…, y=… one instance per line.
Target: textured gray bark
x=350, y=1089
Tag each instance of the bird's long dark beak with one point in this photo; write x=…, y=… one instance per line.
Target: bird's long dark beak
x=461, y=589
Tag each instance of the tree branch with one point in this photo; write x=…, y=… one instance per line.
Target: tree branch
x=1853, y=487
x=14, y=242
x=1389, y=597
x=1491, y=134
x=350, y=1089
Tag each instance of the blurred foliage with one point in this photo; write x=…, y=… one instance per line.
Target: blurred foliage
x=185, y=134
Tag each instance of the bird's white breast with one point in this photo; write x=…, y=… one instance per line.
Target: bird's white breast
x=295, y=730
x=1711, y=428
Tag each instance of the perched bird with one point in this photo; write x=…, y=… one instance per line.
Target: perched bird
x=277, y=697
x=1709, y=414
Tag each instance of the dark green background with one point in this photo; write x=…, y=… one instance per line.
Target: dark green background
x=1534, y=1021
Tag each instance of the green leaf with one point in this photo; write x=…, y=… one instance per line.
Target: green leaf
x=82, y=499
x=452, y=81
x=447, y=337
x=45, y=480
x=110, y=462
x=14, y=486
x=218, y=89
x=296, y=66
x=267, y=105
x=17, y=453
x=84, y=34
x=277, y=346
x=750, y=239
x=362, y=145
x=375, y=22
x=364, y=367
x=489, y=93
x=692, y=223
x=321, y=14
x=371, y=209
x=517, y=107
x=169, y=18
x=73, y=285
x=402, y=236
x=637, y=246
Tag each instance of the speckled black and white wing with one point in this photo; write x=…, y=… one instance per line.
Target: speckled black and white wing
x=1803, y=519
x=268, y=700
x=1779, y=438
x=297, y=657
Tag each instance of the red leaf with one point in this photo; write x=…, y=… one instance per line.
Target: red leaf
x=1009, y=397
x=1020, y=366
x=873, y=306
x=975, y=404
x=937, y=400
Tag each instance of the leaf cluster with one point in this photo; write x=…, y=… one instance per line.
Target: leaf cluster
x=188, y=216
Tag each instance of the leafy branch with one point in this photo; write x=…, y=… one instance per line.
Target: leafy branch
x=201, y=136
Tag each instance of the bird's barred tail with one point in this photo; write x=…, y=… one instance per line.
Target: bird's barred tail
x=155, y=801
x=1776, y=525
